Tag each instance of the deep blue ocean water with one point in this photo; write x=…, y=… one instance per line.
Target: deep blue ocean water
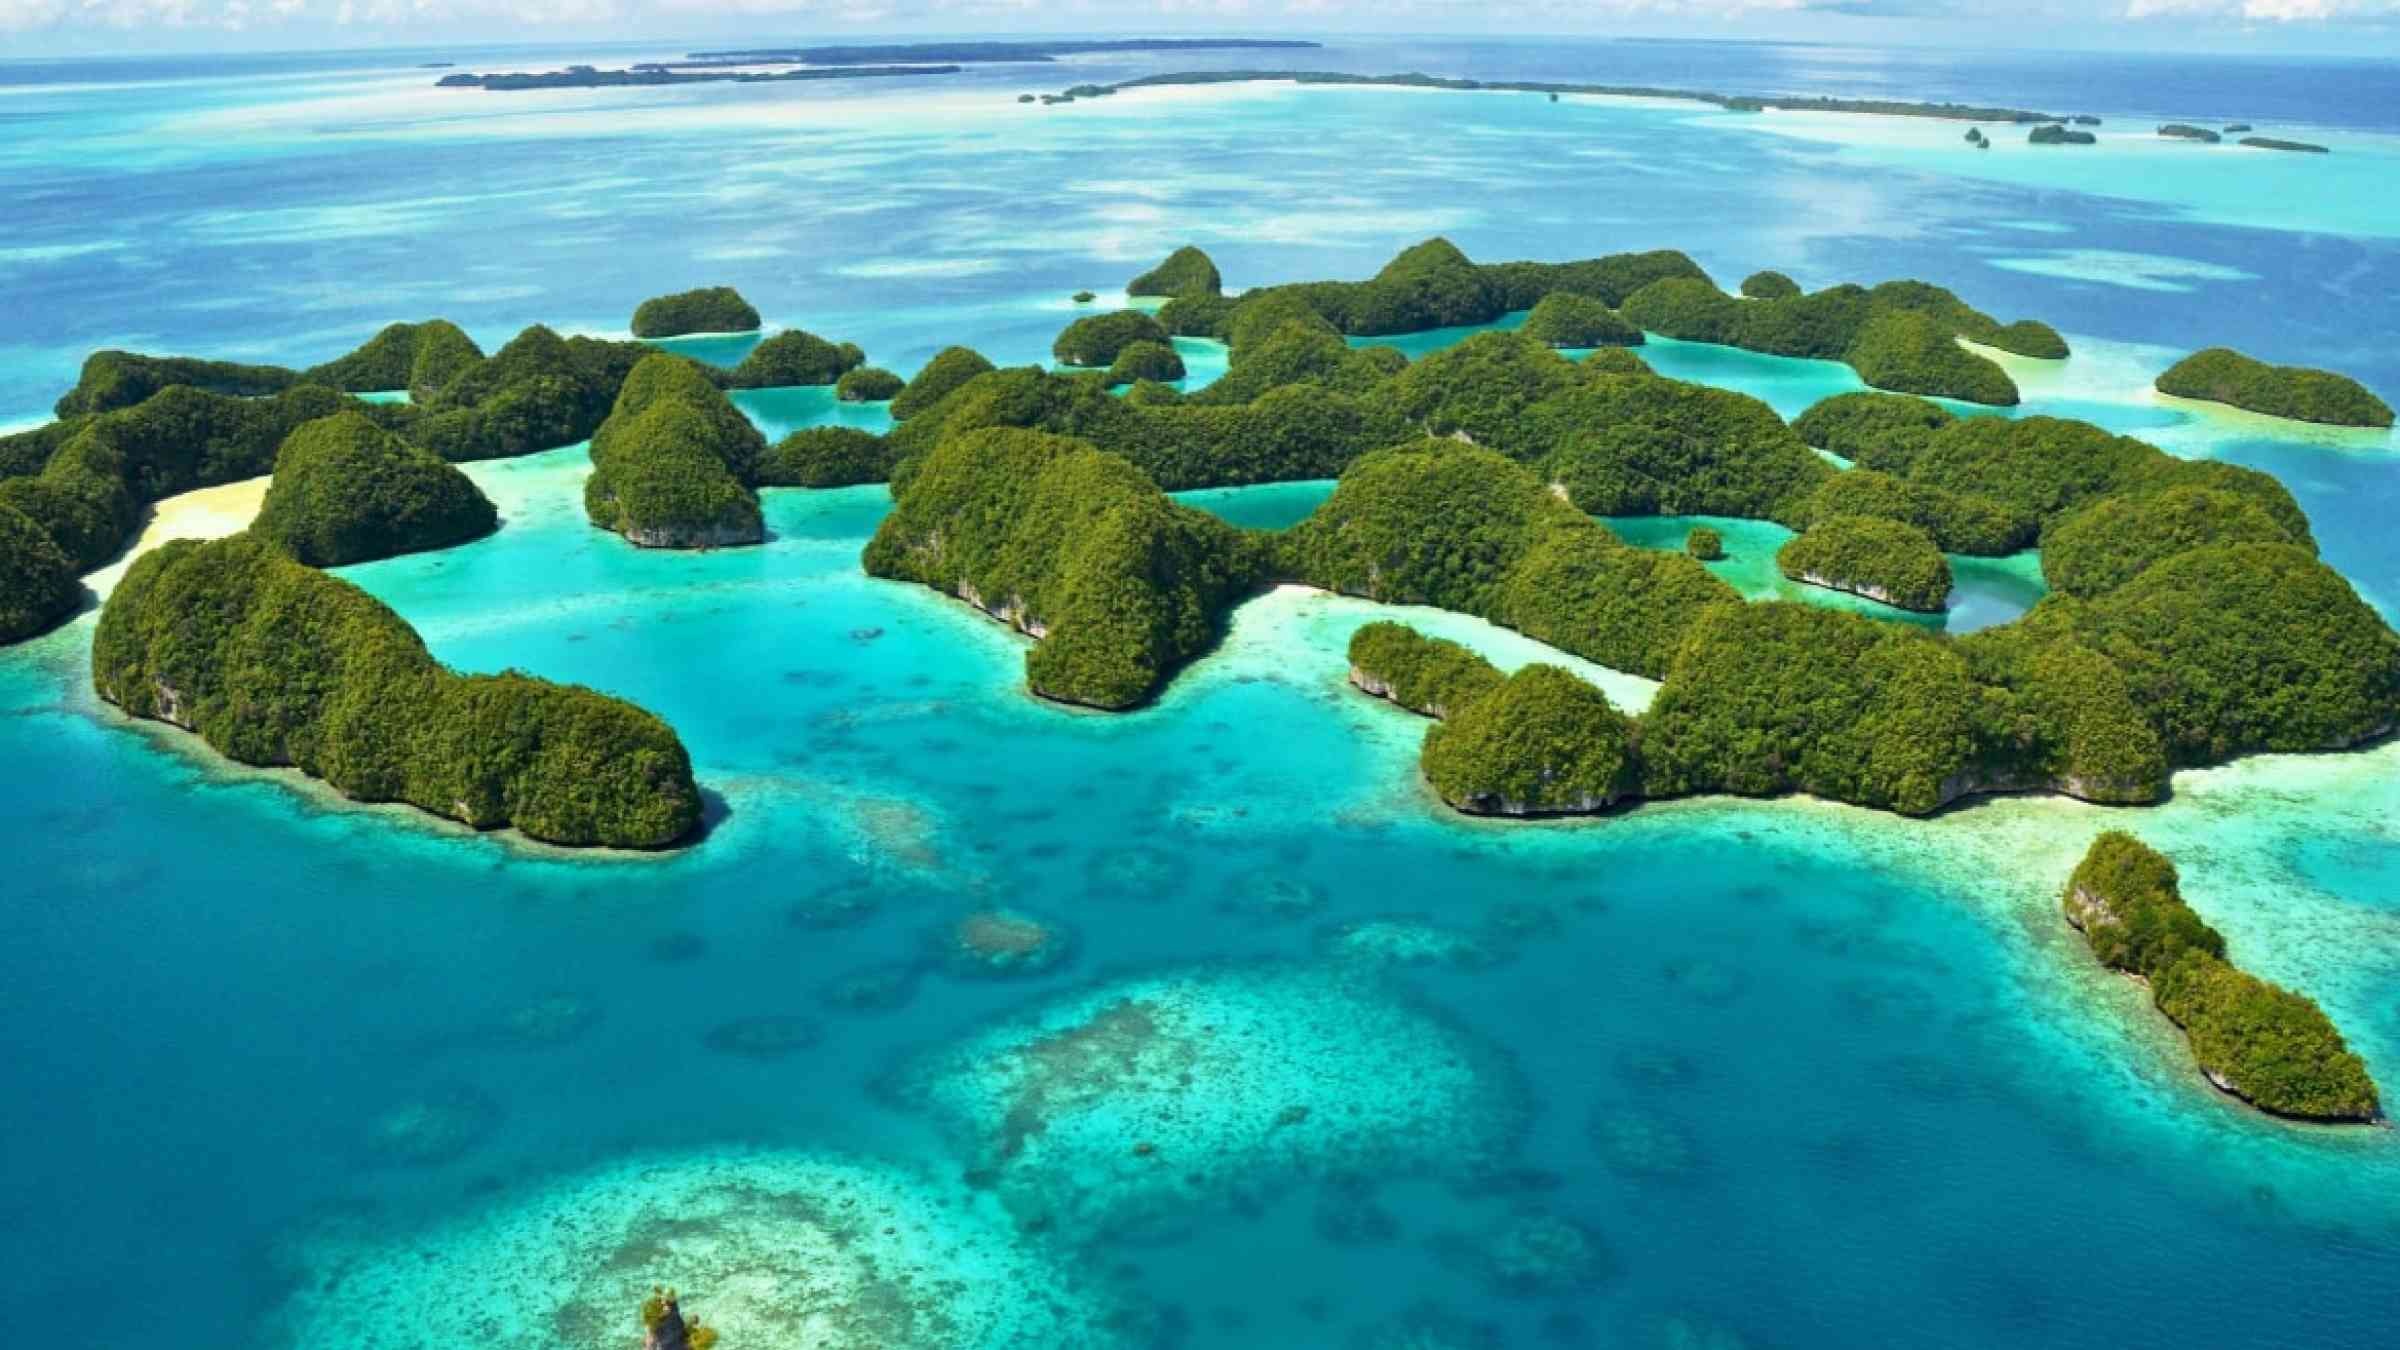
x=1791, y=1075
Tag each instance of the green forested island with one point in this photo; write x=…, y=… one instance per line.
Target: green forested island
x=1874, y=556
x=2190, y=621
x=2267, y=1045
x=275, y=663
x=710, y=309
x=2223, y=375
x=346, y=491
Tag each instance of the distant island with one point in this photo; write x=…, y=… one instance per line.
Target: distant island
x=839, y=62
x=2223, y=375
x=2271, y=143
x=1959, y=112
x=590, y=77
x=975, y=52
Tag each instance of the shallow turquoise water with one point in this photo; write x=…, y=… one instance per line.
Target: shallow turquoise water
x=1983, y=592
x=1794, y=1073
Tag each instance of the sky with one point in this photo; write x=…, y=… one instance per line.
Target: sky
x=37, y=28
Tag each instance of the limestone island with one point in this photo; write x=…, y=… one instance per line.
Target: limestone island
x=1468, y=480
x=2271, y=143
x=675, y=465
x=1889, y=561
x=2223, y=375
x=346, y=491
x=710, y=309
x=2060, y=135
x=274, y=663
x=2257, y=1041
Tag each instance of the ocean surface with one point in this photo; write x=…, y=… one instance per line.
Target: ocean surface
x=1307, y=1061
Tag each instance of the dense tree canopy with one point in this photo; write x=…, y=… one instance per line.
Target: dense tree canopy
x=1565, y=319
x=821, y=457
x=274, y=663
x=1186, y=271
x=2109, y=542
x=1074, y=546
x=950, y=368
x=1882, y=559
x=868, y=384
x=1432, y=676
x=421, y=358
x=1542, y=742
x=793, y=357
x=2223, y=375
x=1138, y=361
x=673, y=465
x=1095, y=339
x=346, y=491
x=710, y=309
x=2266, y=1044
x=38, y=589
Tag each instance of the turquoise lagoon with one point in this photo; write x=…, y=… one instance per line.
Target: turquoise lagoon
x=1326, y=1065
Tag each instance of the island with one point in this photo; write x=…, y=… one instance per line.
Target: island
x=589, y=77
x=1957, y=112
x=1565, y=319
x=2257, y=1041
x=1704, y=543
x=38, y=589
x=2059, y=135
x=673, y=466
x=1096, y=339
x=1885, y=560
x=989, y=51
x=2192, y=620
x=710, y=309
x=950, y=368
x=868, y=384
x=2223, y=375
x=2186, y=132
x=1775, y=285
x=274, y=663
x=795, y=357
x=346, y=490
x=1138, y=361
x=1186, y=271
x=2272, y=143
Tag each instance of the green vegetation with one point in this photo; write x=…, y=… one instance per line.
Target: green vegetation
x=2058, y=135
x=1439, y=523
x=1957, y=522
x=793, y=357
x=418, y=357
x=2265, y=1044
x=1084, y=297
x=2239, y=648
x=1434, y=677
x=823, y=457
x=38, y=589
x=711, y=309
x=1704, y=543
x=2059, y=716
x=1074, y=546
x=1912, y=353
x=2185, y=131
x=950, y=368
x=1896, y=335
x=2272, y=143
x=1770, y=286
x=1771, y=698
x=1187, y=271
x=112, y=380
x=1616, y=361
x=538, y=392
x=1145, y=361
x=672, y=465
x=1639, y=445
x=1565, y=319
x=1095, y=339
x=274, y=663
x=2222, y=375
x=2110, y=542
x=346, y=491
x=1887, y=560
x=868, y=384
x=1874, y=431
x=1542, y=743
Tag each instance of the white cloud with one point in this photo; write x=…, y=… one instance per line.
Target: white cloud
x=2274, y=11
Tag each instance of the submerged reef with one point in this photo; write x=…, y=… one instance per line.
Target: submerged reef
x=778, y=1249
x=2264, y=1044
x=710, y=309
x=275, y=663
x=1003, y=943
x=1141, y=1099
x=2223, y=375
x=346, y=491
